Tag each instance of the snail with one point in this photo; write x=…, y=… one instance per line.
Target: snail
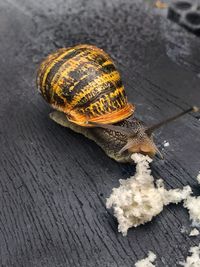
x=84, y=87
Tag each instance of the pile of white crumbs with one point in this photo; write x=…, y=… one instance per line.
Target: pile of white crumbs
x=193, y=205
x=138, y=199
x=194, y=259
x=147, y=262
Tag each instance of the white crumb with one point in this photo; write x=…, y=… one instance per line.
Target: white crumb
x=194, y=232
x=137, y=200
x=193, y=206
x=147, y=262
x=194, y=259
x=198, y=178
x=183, y=230
x=166, y=144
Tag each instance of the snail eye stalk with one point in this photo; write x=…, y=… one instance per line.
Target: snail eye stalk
x=151, y=129
x=141, y=140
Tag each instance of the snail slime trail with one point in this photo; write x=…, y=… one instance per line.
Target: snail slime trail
x=84, y=86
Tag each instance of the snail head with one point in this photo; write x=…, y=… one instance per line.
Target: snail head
x=140, y=139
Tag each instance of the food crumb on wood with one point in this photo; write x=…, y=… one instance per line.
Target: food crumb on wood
x=137, y=200
x=147, y=262
x=198, y=178
x=166, y=144
x=193, y=206
x=183, y=230
x=194, y=259
x=192, y=203
x=194, y=232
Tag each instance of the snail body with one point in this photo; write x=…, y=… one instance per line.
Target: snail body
x=84, y=87
x=112, y=141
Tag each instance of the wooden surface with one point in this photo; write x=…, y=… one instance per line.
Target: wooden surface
x=53, y=182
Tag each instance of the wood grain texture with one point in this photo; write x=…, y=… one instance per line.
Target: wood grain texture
x=53, y=182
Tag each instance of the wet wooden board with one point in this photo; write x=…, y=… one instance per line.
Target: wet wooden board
x=53, y=182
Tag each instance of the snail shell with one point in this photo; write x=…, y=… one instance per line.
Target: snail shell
x=83, y=82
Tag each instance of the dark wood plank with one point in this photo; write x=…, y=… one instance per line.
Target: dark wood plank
x=53, y=182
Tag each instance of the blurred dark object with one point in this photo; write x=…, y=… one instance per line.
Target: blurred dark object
x=186, y=14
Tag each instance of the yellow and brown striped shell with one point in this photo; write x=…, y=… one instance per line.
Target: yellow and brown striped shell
x=83, y=82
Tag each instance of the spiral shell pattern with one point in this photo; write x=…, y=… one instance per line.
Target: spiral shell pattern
x=83, y=82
